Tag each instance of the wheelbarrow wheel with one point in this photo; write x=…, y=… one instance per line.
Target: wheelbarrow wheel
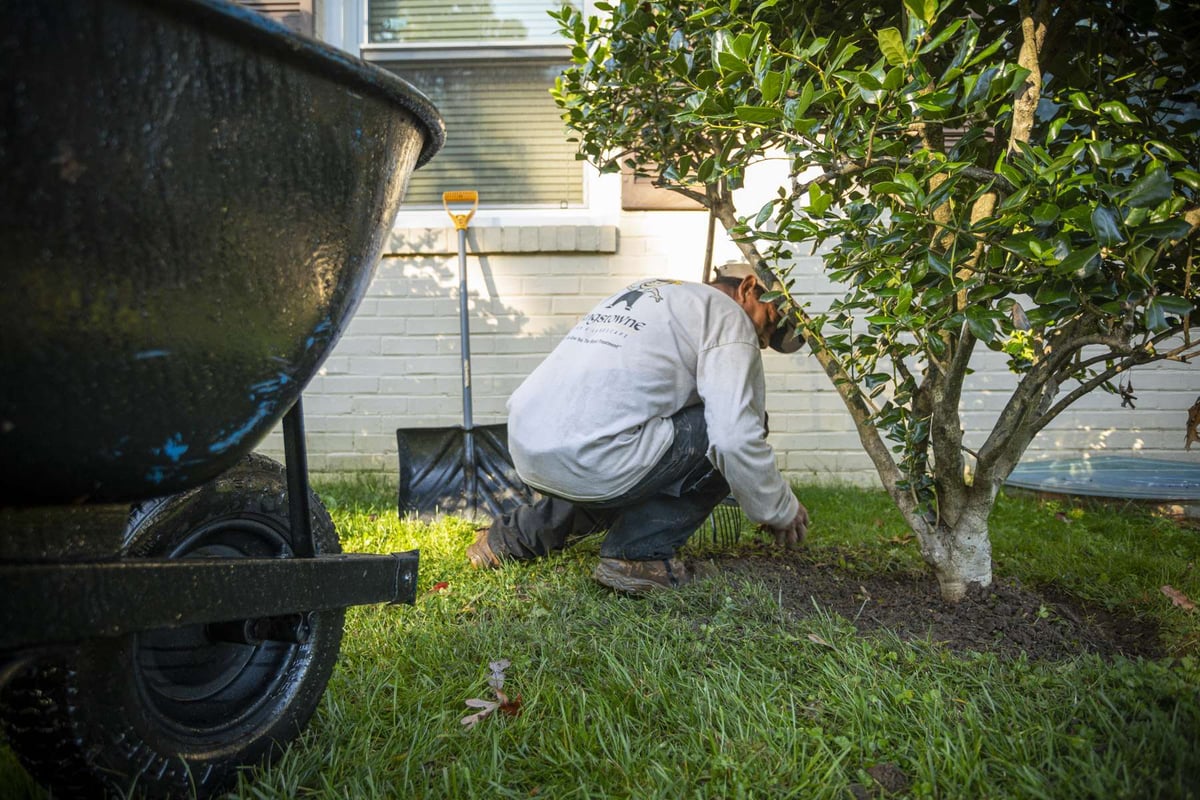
x=172, y=713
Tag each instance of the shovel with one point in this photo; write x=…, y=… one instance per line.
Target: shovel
x=467, y=471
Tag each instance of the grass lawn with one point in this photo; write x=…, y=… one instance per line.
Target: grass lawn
x=717, y=691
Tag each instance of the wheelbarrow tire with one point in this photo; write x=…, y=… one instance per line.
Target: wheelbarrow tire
x=170, y=713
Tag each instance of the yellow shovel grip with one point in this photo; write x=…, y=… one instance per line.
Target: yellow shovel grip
x=463, y=196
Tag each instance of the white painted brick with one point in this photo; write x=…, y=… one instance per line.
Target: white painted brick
x=432, y=325
x=529, y=239
x=349, y=385
x=335, y=364
x=415, y=241
x=408, y=345
x=411, y=307
x=358, y=345
x=510, y=239
x=550, y=285
x=490, y=240
x=608, y=239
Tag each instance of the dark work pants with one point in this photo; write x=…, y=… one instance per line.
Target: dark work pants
x=649, y=522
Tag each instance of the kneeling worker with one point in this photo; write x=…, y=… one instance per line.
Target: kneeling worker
x=647, y=415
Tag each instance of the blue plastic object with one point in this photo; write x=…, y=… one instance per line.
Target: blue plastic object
x=1125, y=477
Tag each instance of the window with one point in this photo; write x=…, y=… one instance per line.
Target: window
x=488, y=67
x=295, y=14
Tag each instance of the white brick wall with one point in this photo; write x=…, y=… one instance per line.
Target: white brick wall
x=397, y=364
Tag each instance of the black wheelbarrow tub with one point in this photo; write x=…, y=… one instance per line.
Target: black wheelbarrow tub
x=194, y=200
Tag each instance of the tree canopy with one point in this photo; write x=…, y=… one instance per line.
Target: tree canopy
x=1021, y=176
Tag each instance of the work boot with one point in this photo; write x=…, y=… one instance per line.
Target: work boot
x=639, y=577
x=480, y=553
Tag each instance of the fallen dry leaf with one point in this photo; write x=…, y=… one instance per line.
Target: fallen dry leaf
x=502, y=702
x=812, y=637
x=511, y=707
x=1178, y=598
x=437, y=588
x=1193, y=425
x=487, y=706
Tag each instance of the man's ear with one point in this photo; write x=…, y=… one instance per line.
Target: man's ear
x=746, y=287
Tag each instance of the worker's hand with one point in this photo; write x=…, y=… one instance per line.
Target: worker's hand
x=792, y=534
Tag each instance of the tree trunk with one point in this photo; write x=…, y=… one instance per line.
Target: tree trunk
x=961, y=552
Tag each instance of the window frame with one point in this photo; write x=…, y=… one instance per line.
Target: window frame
x=355, y=20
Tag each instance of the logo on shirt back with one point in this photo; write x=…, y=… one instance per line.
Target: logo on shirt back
x=638, y=290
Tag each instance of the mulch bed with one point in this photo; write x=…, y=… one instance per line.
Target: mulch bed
x=1007, y=618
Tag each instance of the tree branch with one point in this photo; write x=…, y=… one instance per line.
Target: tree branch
x=850, y=168
x=1084, y=387
x=846, y=386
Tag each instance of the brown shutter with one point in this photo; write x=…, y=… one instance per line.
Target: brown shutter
x=639, y=193
x=295, y=14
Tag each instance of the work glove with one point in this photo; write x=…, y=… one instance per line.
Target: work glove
x=792, y=534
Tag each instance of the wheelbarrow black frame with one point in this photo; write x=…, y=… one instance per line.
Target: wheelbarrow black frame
x=99, y=596
x=91, y=640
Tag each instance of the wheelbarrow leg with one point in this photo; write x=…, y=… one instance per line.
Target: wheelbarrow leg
x=295, y=459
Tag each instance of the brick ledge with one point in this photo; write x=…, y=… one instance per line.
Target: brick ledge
x=503, y=239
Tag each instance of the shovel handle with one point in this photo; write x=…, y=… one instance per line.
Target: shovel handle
x=463, y=196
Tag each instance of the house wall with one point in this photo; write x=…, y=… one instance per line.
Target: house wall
x=397, y=365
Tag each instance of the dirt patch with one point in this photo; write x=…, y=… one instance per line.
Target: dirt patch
x=1007, y=619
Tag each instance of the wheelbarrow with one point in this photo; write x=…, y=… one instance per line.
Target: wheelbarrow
x=194, y=203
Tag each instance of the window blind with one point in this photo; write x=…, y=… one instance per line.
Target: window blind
x=433, y=21
x=504, y=136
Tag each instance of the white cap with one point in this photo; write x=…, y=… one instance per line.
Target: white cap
x=785, y=339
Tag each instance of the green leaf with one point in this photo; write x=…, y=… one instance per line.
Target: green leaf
x=1150, y=189
x=876, y=378
x=891, y=44
x=938, y=101
x=1170, y=229
x=1080, y=262
x=1053, y=294
x=772, y=85
x=1166, y=149
x=1106, y=227
x=1176, y=306
x=764, y=213
x=894, y=79
x=1045, y=214
x=891, y=187
x=938, y=264
x=983, y=327
x=730, y=65
x=904, y=298
x=760, y=115
x=1189, y=177
x=1080, y=102
x=1119, y=112
x=922, y=9
x=940, y=39
x=708, y=12
x=865, y=80
x=982, y=86
x=819, y=200
x=883, y=320
x=741, y=45
x=1156, y=317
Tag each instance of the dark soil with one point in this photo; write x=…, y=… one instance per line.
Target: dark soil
x=1007, y=618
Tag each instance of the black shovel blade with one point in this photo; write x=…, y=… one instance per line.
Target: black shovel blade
x=438, y=476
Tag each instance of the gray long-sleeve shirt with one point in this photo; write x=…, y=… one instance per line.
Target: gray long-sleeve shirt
x=594, y=417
